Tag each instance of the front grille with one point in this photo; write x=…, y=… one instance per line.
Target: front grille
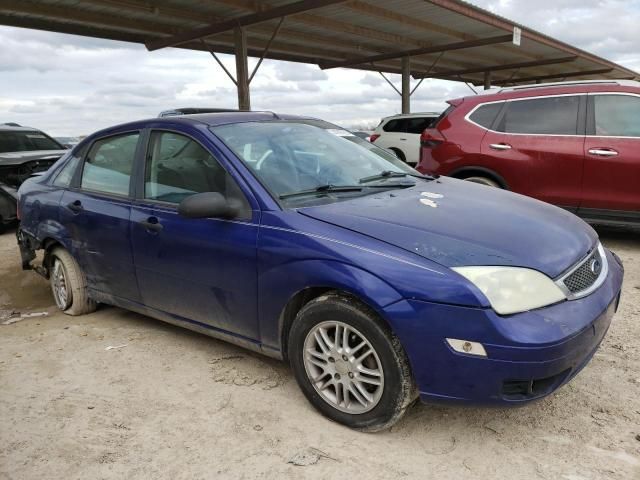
x=586, y=274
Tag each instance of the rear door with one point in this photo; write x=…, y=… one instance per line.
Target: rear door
x=394, y=135
x=537, y=147
x=199, y=269
x=414, y=127
x=612, y=154
x=96, y=210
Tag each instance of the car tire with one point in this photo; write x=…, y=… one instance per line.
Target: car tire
x=483, y=181
x=399, y=153
x=344, y=389
x=69, y=284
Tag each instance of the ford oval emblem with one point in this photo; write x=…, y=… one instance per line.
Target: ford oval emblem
x=595, y=266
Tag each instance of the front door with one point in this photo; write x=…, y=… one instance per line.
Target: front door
x=612, y=155
x=537, y=146
x=95, y=211
x=203, y=269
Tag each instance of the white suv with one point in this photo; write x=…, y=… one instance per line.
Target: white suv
x=401, y=134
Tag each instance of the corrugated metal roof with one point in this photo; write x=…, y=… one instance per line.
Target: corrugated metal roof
x=346, y=32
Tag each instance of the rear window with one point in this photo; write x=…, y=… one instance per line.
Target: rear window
x=418, y=125
x=617, y=115
x=542, y=116
x=396, y=125
x=26, y=141
x=485, y=114
x=443, y=115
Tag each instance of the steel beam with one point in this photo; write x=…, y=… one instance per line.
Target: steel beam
x=242, y=69
x=508, y=66
x=487, y=80
x=419, y=51
x=243, y=21
x=406, y=86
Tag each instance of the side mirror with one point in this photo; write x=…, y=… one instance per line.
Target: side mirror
x=206, y=205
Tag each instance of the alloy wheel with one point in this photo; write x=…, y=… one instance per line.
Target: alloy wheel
x=343, y=367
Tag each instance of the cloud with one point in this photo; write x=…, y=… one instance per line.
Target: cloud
x=72, y=85
x=299, y=72
x=372, y=80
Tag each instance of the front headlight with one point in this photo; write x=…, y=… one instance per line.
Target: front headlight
x=513, y=289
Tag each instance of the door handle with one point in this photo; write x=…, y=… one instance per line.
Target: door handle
x=500, y=146
x=603, y=152
x=152, y=225
x=403, y=139
x=75, y=206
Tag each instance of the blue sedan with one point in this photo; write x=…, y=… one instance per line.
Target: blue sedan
x=296, y=239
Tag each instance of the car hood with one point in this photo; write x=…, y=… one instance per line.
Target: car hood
x=457, y=223
x=18, y=158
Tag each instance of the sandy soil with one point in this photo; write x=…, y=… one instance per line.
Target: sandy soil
x=174, y=404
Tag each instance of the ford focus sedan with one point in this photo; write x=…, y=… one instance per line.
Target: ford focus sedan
x=376, y=283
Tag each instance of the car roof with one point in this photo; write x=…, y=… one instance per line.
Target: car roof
x=549, y=89
x=411, y=115
x=207, y=119
x=14, y=127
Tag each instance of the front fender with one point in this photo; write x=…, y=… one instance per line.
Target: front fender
x=279, y=285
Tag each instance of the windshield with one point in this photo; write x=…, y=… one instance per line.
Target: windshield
x=289, y=157
x=26, y=141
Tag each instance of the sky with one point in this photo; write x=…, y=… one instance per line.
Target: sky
x=72, y=85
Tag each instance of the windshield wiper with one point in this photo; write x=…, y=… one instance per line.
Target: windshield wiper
x=392, y=174
x=328, y=188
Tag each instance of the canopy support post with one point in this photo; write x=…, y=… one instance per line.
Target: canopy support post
x=242, y=69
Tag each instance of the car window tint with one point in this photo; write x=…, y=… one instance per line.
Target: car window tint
x=485, y=114
x=617, y=115
x=63, y=179
x=108, y=165
x=26, y=141
x=418, y=125
x=179, y=167
x=546, y=116
x=396, y=125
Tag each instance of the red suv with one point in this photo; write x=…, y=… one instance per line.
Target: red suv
x=574, y=144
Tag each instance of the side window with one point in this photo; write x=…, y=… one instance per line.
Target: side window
x=617, y=115
x=545, y=116
x=418, y=125
x=108, y=165
x=63, y=179
x=396, y=125
x=485, y=114
x=178, y=167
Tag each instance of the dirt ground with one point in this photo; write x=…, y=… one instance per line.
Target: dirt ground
x=169, y=403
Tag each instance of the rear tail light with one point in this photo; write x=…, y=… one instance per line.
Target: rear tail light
x=18, y=210
x=431, y=137
x=373, y=137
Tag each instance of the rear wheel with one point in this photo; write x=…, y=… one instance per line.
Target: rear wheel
x=399, y=154
x=349, y=365
x=483, y=181
x=69, y=284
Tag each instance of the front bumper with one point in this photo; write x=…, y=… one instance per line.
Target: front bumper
x=529, y=355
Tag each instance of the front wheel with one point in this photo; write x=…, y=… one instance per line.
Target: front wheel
x=349, y=365
x=483, y=181
x=69, y=284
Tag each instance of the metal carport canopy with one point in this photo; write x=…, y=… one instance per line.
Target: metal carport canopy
x=445, y=39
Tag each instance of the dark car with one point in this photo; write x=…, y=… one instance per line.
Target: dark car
x=376, y=283
x=24, y=151
x=574, y=144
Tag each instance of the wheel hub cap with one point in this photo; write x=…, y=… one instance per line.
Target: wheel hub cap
x=343, y=367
